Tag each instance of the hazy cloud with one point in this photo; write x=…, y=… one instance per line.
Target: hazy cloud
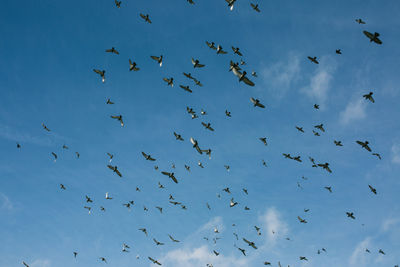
x=355, y=110
x=272, y=222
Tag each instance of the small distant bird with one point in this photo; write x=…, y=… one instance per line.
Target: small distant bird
x=258, y=229
x=373, y=37
x=242, y=77
x=301, y=220
x=75, y=254
x=169, y=81
x=369, y=97
x=287, y=156
x=115, y=169
x=196, y=145
x=256, y=102
x=108, y=196
x=103, y=259
x=45, y=127
x=112, y=51
x=154, y=261
x=338, y=143
x=62, y=187
x=216, y=253
x=196, y=63
x=303, y=258
x=171, y=175
x=350, y=215
x=245, y=191
x=173, y=239
x=316, y=106
x=190, y=2
x=325, y=166
x=118, y=3
x=381, y=252
x=148, y=157
x=25, y=264
x=320, y=127
x=264, y=140
x=254, y=74
x=158, y=243
x=145, y=17
x=18, y=145
x=158, y=59
x=328, y=188
x=228, y=113
x=178, y=137
x=186, y=88
x=250, y=243
x=109, y=102
x=230, y=3
x=119, y=118
x=133, y=66
x=55, y=156
x=338, y=51
x=316, y=133
x=373, y=190
x=77, y=154
x=211, y=45
x=110, y=156
x=232, y=203
x=297, y=158
x=364, y=145
x=255, y=7
x=236, y=51
x=220, y=50
x=313, y=59
x=377, y=154
x=300, y=129
x=102, y=74
x=360, y=21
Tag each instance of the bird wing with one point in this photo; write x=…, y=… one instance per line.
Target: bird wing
x=193, y=141
x=247, y=81
x=166, y=173
x=98, y=71
x=155, y=58
x=173, y=179
x=236, y=72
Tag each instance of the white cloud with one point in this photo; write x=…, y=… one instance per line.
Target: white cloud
x=273, y=223
x=320, y=82
x=281, y=75
x=200, y=256
x=396, y=153
x=5, y=202
x=388, y=224
x=355, y=110
x=215, y=222
x=359, y=255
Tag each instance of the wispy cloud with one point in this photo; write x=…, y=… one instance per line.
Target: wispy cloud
x=396, y=153
x=320, y=82
x=355, y=110
x=274, y=225
x=281, y=75
x=5, y=202
x=359, y=257
x=390, y=223
x=10, y=133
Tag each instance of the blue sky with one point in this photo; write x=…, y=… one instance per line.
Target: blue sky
x=47, y=52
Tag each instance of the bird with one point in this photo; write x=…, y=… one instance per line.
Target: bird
x=118, y=3
x=320, y=127
x=144, y=230
x=75, y=254
x=103, y=259
x=373, y=190
x=109, y=102
x=119, y=118
x=245, y=191
x=145, y=17
x=338, y=51
x=88, y=208
x=350, y=215
x=301, y=220
x=373, y=37
x=287, y=156
x=158, y=59
x=173, y=239
x=313, y=59
x=171, y=175
x=325, y=166
x=381, y=252
x=77, y=155
x=216, y=253
x=186, y=88
x=25, y=264
x=236, y=51
x=157, y=242
x=300, y=129
x=55, y=156
x=110, y=156
x=254, y=74
x=316, y=106
x=133, y=66
x=18, y=145
x=169, y=81
x=230, y=3
x=328, y=188
x=302, y=258
x=242, y=77
x=258, y=229
x=211, y=45
x=297, y=158
x=267, y=263
x=369, y=97
x=112, y=51
x=45, y=127
x=154, y=261
x=178, y=137
x=115, y=169
x=255, y=7
x=264, y=163
x=264, y=140
x=364, y=145
x=220, y=50
x=250, y=243
x=108, y=196
x=228, y=113
x=62, y=187
x=190, y=2
x=196, y=145
x=338, y=143
x=256, y=102
x=360, y=21
x=316, y=133
x=102, y=74
x=196, y=63
x=242, y=250
x=207, y=126
x=148, y=157
x=232, y=203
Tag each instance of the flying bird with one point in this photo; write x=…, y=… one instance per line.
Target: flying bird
x=196, y=63
x=114, y=169
x=158, y=59
x=148, y=157
x=313, y=59
x=112, y=51
x=169, y=81
x=145, y=17
x=373, y=37
x=369, y=97
x=133, y=66
x=102, y=74
x=250, y=243
x=242, y=77
x=256, y=102
x=154, y=261
x=360, y=21
x=171, y=175
x=196, y=145
x=364, y=145
x=255, y=7
x=373, y=190
x=119, y=118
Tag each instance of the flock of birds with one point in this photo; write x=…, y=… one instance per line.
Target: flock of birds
x=241, y=76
